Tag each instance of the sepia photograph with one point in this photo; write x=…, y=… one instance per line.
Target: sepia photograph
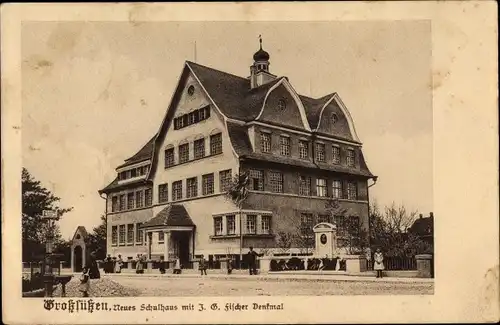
x=227, y=165
x=250, y=160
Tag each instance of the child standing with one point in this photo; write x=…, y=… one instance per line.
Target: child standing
x=85, y=282
x=177, y=266
x=203, y=266
x=379, y=262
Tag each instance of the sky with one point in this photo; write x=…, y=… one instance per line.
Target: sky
x=93, y=93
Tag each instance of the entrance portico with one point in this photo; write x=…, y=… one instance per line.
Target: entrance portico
x=170, y=234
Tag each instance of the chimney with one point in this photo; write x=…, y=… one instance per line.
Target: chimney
x=421, y=216
x=431, y=215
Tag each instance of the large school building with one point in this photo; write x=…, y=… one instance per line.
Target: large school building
x=168, y=199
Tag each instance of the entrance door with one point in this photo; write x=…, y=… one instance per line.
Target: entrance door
x=181, y=239
x=77, y=259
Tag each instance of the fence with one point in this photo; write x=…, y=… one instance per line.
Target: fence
x=397, y=263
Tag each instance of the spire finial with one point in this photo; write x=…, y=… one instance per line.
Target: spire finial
x=260, y=41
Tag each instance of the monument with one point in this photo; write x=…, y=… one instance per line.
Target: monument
x=79, y=249
x=326, y=239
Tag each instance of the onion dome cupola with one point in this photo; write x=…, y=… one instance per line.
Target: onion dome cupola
x=259, y=70
x=261, y=58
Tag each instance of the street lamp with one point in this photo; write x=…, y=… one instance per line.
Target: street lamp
x=50, y=216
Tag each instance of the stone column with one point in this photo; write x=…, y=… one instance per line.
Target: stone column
x=148, y=243
x=424, y=265
x=167, y=246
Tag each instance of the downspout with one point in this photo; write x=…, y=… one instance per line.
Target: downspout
x=106, y=214
x=368, y=199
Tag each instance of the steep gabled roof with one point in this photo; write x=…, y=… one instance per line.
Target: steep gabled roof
x=82, y=231
x=232, y=94
x=171, y=215
x=143, y=154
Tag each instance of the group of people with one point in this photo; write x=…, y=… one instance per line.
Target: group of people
x=251, y=258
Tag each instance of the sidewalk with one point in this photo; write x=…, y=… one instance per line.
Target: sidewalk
x=288, y=276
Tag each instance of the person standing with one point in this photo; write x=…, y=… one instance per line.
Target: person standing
x=93, y=267
x=229, y=265
x=85, y=282
x=252, y=261
x=379, y=262
x=139, y=268
x=177, y=266
x=118, y=264
x=203, y=265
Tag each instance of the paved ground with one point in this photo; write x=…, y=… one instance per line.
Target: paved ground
x=266, y=286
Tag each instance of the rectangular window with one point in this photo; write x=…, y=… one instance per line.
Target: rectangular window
x=352, y=191
x=133, y=173
x=216, y=144
x=276, y=182
x=336, y=155
x=122, y=202
x=306, y=224
x=320, y=152
x=138, y=233
x=193, y=117
x=251, y=224
x=350, y=158
x=266, y=224
x=321, y=189
x=285, y=146
x=162, y=193
x=130, y=233
x=201, y=114
x=139, y=199
x=114, y=204
x=231, y=225
x=122, y=234
x=303, y=149
x=192, y=187
x=130, y=200
x=225, y=180
x=337, y=189
x=114, y=235
x=208, y=184
x=161, y=237
x=305, y=185
x=257, y=180
x=218, y=226
x=199, y=148
x=169, y=157
x=148, y=193
x=265, y=142
x=183, y=153
x=323, y=218
x=177, y=191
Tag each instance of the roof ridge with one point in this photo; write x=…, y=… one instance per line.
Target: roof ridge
x=224, y=72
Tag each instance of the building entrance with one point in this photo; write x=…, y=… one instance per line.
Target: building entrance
x=180, y=240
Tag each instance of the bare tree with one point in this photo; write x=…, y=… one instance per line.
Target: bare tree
x=238, y=193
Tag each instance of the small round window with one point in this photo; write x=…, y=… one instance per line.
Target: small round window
x=78, y=236
x=281, y=104
x=191, y=90
x=335, y=118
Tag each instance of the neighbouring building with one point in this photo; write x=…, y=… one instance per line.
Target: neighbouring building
x=423, y=228
x=169, y=198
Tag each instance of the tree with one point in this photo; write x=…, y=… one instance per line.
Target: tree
x=389, y=231
x=284, y=241
x=238, y=193
x=97, y=239
x=35, y=199
x=352, y=235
